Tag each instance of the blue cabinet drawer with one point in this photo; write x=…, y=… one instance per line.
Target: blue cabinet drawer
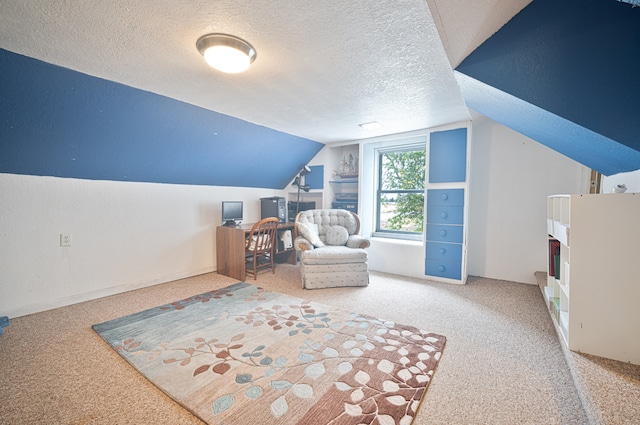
x=444, y=233
x=443, y=268
x=445, y=215
x=445, y=197
x=444, y=251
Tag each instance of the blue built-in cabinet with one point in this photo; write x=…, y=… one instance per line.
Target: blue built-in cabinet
x=445, y=253
x=448, y=156
x=445, y=232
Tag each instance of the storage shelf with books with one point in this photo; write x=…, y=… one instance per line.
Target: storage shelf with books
x=344, y=183
x=557, y=290
x=592, y=288
x=346, y=194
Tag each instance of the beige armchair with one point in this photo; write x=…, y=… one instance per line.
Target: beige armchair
x=331, y=252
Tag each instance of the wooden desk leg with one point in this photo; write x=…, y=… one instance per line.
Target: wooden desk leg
x=230, y=252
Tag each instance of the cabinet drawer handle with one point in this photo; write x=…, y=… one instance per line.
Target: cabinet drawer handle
x=441, y=268
x=443, y=215
x=442, y=250
x=444, y=196
x=443, y=233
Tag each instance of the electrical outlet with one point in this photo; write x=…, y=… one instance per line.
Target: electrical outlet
x=65, y=239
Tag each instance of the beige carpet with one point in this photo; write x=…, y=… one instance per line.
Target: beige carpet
x=503, y=362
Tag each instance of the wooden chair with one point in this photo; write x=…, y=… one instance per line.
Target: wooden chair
x=260, y=246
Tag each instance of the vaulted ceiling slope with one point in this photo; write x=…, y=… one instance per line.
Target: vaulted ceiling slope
x=113, y=80
x=561, y=72
x=62, y=123
x=322, y=67
x=567, y=74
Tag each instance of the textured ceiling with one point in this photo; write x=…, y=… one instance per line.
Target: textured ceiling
x=322, y=67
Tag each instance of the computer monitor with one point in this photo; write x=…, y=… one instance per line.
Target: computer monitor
x=232, y=212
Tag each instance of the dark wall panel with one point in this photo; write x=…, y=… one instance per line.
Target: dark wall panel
x=576, y=59
x=62, y=123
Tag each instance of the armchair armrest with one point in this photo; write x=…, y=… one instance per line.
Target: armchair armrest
x=302, y=244
x=357, y=241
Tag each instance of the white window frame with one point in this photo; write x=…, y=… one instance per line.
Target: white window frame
x=369, y=177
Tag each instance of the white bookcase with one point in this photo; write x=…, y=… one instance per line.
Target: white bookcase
x=594, y=294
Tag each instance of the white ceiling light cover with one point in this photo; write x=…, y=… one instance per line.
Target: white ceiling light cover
x=226, y=53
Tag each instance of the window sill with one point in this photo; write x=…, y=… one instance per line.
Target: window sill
x=397, y=240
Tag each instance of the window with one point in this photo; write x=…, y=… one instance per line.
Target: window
x=400, y=191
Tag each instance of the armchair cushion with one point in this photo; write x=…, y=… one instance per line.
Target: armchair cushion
x=310, y=232
x=337, y=235
x=335, y=255
x=325, y=219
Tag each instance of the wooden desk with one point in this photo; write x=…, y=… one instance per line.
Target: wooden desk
x=230, y=246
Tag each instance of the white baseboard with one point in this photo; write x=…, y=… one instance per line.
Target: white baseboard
x=100, y=293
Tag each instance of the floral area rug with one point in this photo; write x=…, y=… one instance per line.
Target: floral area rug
x=243, y=354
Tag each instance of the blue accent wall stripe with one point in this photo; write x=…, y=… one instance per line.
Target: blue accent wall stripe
x=62, y=123
x=581, y=144
x=579, y=60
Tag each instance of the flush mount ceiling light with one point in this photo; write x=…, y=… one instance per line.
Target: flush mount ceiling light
x=371, y=125
x=226, y=53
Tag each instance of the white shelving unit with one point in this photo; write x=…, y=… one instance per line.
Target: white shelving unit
x=344, y=177
x=311, y=196
x=345, y=194
x=594, y=294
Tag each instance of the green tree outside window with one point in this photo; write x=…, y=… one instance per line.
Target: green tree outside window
x=401, y=190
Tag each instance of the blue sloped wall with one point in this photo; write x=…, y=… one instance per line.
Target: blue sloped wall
x=62, y=123
x=567, y=74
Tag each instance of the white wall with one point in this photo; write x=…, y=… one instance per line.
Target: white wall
x=322, y=197
x=131, y=235
x=631, y=180
x=404, y=258
x=511, y=177
x=124, y=236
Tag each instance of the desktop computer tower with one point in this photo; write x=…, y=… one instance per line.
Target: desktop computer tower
x=274, y=207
